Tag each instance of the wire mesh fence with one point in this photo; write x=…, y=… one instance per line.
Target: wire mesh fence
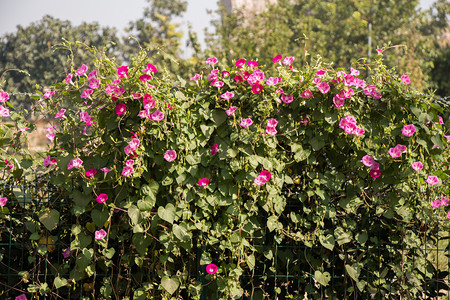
x=32, y=261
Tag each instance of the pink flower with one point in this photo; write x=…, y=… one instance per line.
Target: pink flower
x=354, y=72
x=3, y=201
x=225, y=74
x=287, y=60
x=21, y=297
x=263, y=177
x=66, y=253
x=231, y=110
x=287, y=98
x=338, y=101
x=259, y=180
x=86, y=93
x=432, y=180
x=306, y=94
x=271, y=81
x=196, y=77
x=211, y=269
x=266, y=175
x=127, y=171
x=122, y=71
x=92, y=75
x=321, y=72
x=102, y=198
x=60, y=114
x=408, y=130
x=3, y=96
x=246, y=122
x=405, y=79
x=238, y=78
x=444, y=201
x=49, y=94
x=157, y=115
x=82, y=70
x=448, y=215
x=90, y=172
x=257, y=88
x=375, y=173
x=203, y=182
x=68, y=79
x=376, y=95
x=134, y=143
x=394, y=152
x=277, y=58
x=417, y=166
x=435, y=204
x=359, y=131
x=368, y=160
x=252, y=64
x=211, y=61
x=271, y=130
x=148, y=102
x=50, y=133
x=150, y=68
x=129, y=163
x=227, y=95
x=49, y=161
x=106, y=170
x=136, y=96
x=170, y=155
x=379, y=51
x=94, y=83
x=323, y=87
x=23, y=129
x=100, y=234
x=145, y=77
x=74, y=163
x=214, y=149
x=376, y=166
x=217, y=83
x=272, y=122
x=240, y=62
x=120, y=109
x=279, y=91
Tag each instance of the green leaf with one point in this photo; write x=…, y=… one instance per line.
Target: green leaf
x=219, y=116
x=327, y=241
x=341, y=236
x=322, y=278
x=251, y=261
x=206, y=130
x=362, y=237
x=167, y=213
x=59, y=282
x=170, y=284
x=317, y=142
x=99, y=217
x=437, y=140
x=180, y=232
x=135, y=215
x=84, y=258
x=50, y=219
x=353, y=271
x=109, y=253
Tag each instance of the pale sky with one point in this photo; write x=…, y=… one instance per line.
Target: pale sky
x=113, y=13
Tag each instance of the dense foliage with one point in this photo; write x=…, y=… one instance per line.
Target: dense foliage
x=232, y=164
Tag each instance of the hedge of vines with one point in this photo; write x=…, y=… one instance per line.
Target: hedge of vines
x=223, y=165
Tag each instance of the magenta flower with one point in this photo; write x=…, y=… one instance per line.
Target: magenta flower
x=246, y=122
x=49, y=94
x=134, y=143
x=448, y=215
x=211, y=61
x=257, y=88
x=21, y=297
x=217, y=84
x=432, y=180
x=90, y=172
x=3, y=96
x=129, y=163
x=74, y=163
x=231, y=110
x=272, y=122
x=394, y=152
x=170, y=155
x=408, y=130
x=203, y=182
x=435, y=204
x=196, y=77
x=444, y=201
x=277, y=58
x=82, y=70
x=323, y=87
x=227, y=95
x=100, y=234
x=106, y=170
x=288, y=60
x=94, y=83
x=136, y=96
x=49, y=161
x=68, y=79
x=252, y=64
x=368, y=160
x=150, y=68
x=86, y=93
x=60, y=114
x=271, y=130
x=238, y=78
x=102, y=198
x=214, y=149
x=306, y=94
x=405, y=79
x=127, y=171
x=338, y=101
x=287, y=98
x=92, y=75
x=271, y=81
x=240, y=62
x=145, y=77
x=3, y=201
x=120, y=109
x=157, y=115
x=66, y=253
x=211, y=269
x=375, y=173
x=263, y=177
x=122, y=71
x=417, y=166
x=225, y=74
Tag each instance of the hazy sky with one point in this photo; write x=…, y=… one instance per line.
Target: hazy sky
x=115, y=13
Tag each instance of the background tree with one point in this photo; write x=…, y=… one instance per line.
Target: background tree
x=32, y=49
